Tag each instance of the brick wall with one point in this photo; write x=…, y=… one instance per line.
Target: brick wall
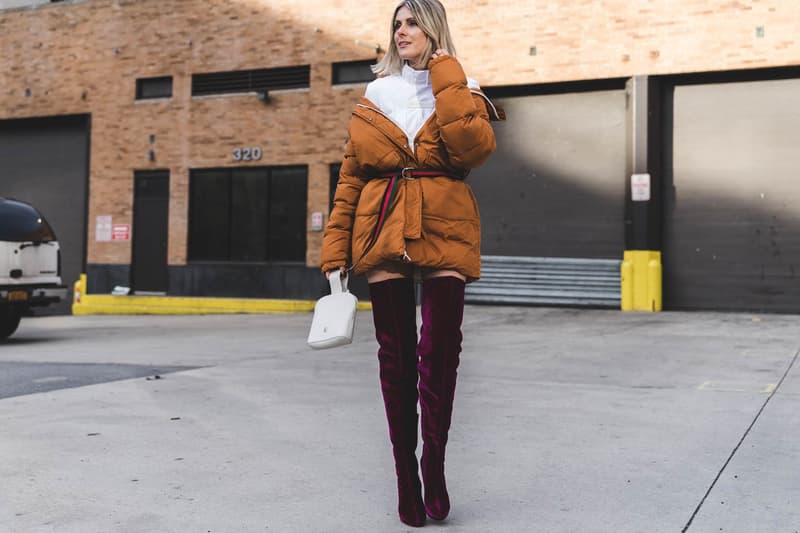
x=84, y=57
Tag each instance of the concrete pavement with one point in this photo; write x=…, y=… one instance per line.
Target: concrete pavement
x=565, y=421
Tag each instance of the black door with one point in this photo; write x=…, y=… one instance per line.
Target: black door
x=150, y=220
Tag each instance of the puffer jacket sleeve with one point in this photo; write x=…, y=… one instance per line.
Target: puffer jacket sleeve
x=336, y=240
x=462, y=117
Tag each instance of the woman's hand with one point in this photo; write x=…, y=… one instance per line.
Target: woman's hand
x=342, y=270
x=439, y=53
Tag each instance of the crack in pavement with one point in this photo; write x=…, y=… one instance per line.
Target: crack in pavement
x=739, y=444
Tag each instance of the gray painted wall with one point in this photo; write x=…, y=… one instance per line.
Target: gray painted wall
x=732, y=222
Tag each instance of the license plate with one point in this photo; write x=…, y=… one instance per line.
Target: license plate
x=17, y=296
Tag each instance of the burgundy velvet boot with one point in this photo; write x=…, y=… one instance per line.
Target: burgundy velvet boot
x=439, y=348
x=395, y=315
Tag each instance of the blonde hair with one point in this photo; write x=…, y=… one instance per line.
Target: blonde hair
x=432, y=20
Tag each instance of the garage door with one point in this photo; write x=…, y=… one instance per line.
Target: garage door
x=555, y=187
x=732, y=220
x=44, y=161
x=552, y=201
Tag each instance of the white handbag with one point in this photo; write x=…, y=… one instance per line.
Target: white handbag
x=334, y=316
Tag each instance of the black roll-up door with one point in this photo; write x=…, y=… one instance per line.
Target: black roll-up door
x=732, y=198
x=556, y=185
x=45, y=162
x=552, y=200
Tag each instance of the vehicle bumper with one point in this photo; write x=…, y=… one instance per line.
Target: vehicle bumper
x=32, y=296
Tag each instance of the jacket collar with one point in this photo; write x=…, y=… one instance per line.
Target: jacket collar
x=372, y=114
x=417, y=78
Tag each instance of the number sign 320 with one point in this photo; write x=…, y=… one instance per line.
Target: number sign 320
x=247, y=154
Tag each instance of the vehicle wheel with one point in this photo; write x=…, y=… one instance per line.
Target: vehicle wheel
x=9, y=322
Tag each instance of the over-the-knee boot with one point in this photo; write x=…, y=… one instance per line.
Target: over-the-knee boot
x=439, y=349
x=395, y=317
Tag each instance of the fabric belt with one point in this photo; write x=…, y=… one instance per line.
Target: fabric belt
x=390, y=192
x=410, y=173
x=407, y=173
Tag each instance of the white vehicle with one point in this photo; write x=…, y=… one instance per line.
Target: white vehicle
x=30, y=264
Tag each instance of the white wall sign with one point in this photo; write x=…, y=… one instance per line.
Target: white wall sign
x=316, y=221
x=102, y=228
x=640, y=187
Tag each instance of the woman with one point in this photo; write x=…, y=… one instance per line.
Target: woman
x=402, y=210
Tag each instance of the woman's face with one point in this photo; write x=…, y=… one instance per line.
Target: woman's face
x=409, y=38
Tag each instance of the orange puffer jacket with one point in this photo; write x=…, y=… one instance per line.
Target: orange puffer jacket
x=432, y=221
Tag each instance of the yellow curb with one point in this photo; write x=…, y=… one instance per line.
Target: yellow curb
x=106, y=304
x=101, y=304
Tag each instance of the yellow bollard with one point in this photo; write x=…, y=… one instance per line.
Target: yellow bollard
x=640, y=278
x=654, y=289
x=79, y=291
x=626, y=278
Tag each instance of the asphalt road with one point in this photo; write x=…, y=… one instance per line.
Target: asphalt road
x=565, y=421
x=19, y=378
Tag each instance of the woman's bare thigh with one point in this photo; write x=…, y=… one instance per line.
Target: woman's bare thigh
x=377, y=275
x=444, y=273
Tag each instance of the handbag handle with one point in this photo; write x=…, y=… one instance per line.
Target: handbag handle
x=338, y=283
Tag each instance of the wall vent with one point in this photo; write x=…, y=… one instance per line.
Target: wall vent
x=245, y=81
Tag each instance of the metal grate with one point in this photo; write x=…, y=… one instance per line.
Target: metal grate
x=243, y=81
x=547, y=281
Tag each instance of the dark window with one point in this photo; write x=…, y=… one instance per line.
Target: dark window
x=353, y=72
x=19, y=222
x=334, y=181
x=248, y=214
x=287, y=213
x=243, y=81
x=154, y=87
x=209, y=214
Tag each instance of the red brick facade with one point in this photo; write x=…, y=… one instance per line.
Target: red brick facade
x=85, y=57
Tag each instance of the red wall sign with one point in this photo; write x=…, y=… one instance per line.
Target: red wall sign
x=121, y=232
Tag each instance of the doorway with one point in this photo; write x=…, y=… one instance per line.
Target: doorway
x=149, y=274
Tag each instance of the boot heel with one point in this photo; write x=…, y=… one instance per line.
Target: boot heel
x=410, y=506
x=437, y=501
